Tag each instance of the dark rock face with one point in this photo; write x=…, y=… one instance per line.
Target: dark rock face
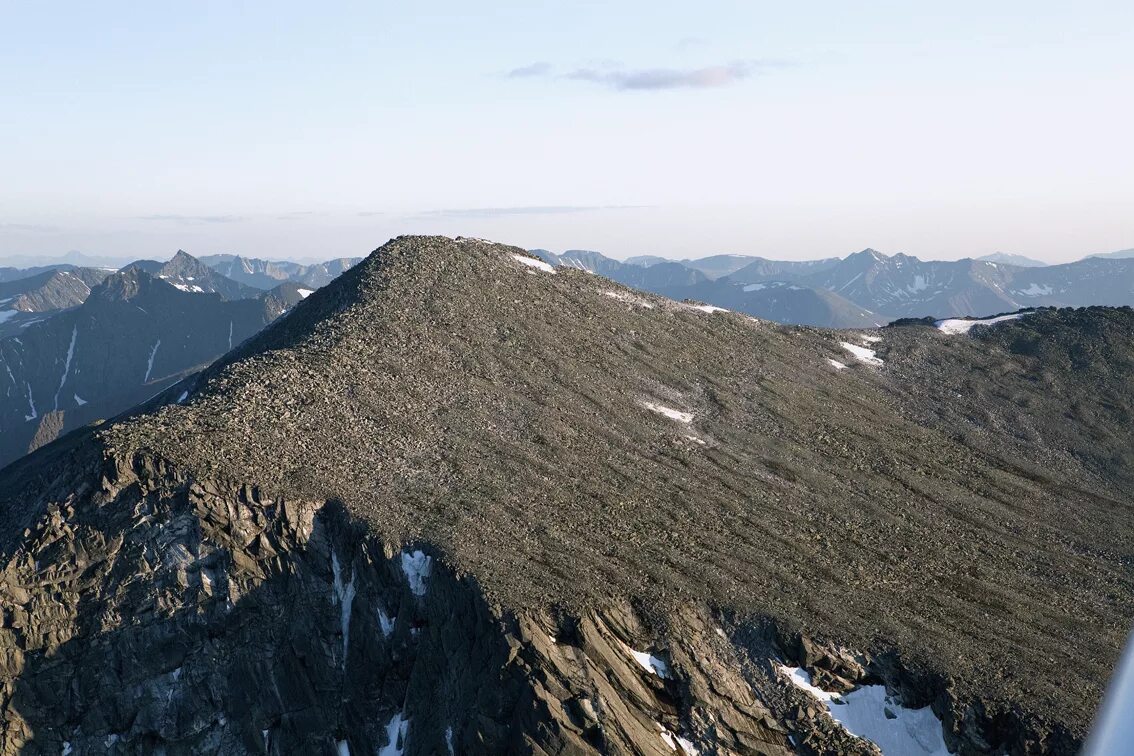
x=457, y=503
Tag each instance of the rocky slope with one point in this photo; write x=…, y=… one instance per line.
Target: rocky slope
x=462, y=502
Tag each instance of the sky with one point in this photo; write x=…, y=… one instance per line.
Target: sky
x=683, y=129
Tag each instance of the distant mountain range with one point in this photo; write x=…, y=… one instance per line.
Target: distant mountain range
x=868, y=287
x=266, y=274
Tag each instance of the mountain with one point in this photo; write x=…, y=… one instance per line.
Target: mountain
x=1122, y=254
x=719, y=266
x=784, y=302
x=72, y=259
x=132, y=337
x=1008, y=258
x=8, y=274
x=187, y=273
x=266, y=274
x=27, y=300
x=869, y=287
x=716, y=266
x=51, y=290
x=545, y=513
x=904, y=286
x=646, y=260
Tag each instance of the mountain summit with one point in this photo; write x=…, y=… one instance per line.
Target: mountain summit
x=463, y=501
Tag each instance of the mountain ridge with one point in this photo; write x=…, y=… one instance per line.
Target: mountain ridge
x=438, y=402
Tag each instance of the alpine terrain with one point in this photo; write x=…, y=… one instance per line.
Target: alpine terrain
x=462, y=501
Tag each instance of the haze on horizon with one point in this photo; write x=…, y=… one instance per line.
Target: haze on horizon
x=784, y=130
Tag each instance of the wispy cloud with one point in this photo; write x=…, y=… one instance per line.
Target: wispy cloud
x=539, y=68
x=296, y=215
x=28, y=228
x=619, y=77
x=665, y=78
x=194, y=219
x=495, y=212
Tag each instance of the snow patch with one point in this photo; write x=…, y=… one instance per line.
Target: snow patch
x=80, y=400
x=305, y=293
x=836, y=364
x=342, y=748
x=868, y=712
x=150, y=364
x=31, y=404
x=676, y=742
x=386, y=622
x=532, y=262
x=963, y=325
x=709, y=308
x=417, y=567
x=183, y=397
x=343, y=595
x=755, y=287
x=8, y=315
x=670, y=412
x=650, y=663
x=1035, y=290
x=862, y=354
x=622, y=296
x=396, y=736
x=191, y=289
x=67, y=364
x=449, y=740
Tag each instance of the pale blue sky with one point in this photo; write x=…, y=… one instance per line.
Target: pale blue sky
x=783, y=129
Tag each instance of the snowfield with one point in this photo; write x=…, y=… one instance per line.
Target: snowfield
x=531, y=262
x=963, y=325
x=869, y=713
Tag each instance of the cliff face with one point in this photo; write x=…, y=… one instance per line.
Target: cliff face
x=456, y=502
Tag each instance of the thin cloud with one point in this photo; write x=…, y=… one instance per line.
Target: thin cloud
x=194, y=218
x=618, y=77
x=28, y=228
x=665, y=78
x=495, y=212
x=539, y=68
